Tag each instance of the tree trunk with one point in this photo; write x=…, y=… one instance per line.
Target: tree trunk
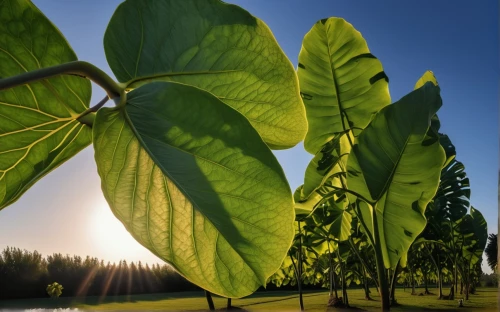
x=363, y=263
x=210, y=302
x=346, y=300
x=229, y=307
x=427, y=292
x=342, y=277
x=452, y=293
x=301, y=302
x=393, y=285
x=440, y=281
x=335, y=283
x=333, y=286
x=367, y=289
x=461, y=286
x=467, y=281
x=413, y=292
x=455, y=277
x=382, y=280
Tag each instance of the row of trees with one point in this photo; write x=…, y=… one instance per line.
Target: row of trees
x=331, y=246
x=25, y=274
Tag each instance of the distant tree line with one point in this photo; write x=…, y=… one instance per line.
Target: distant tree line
x=25, y=274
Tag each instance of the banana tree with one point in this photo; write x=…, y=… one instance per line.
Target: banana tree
x=380, y=152
x=474, y=246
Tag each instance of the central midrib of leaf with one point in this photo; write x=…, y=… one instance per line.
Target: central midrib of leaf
x=130, y=83
x=337, y=92
x=393, y=171
x=195, y=205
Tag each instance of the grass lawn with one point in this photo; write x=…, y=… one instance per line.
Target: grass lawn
x=485, y=299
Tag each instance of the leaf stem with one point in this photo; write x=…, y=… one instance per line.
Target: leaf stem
x=382, y=279
x=352, y=192
x=363, y=263
x=96, y=107
x=87, y=117
x=76, y=68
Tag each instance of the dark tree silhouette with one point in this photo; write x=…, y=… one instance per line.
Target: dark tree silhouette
x=491, y=252
x=25, y=274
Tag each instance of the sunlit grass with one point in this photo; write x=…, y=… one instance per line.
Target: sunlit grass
x=484, y=300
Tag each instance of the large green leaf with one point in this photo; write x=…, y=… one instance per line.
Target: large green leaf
x=445, y=141
x=38, y=126
x=198, y=187
x=428, y=76
x=395, y=165
x=480, y=231
x=342, y=84
x=341, y=219
x=217, y=47
x=323, y=176
x=453, y=196
x=331, y=221
x=325, y=163
x=449, y=148
x=331, y=188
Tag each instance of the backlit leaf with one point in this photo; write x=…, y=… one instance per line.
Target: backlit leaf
x=198, y=187
x=395, y=165
x=217, y=47
x=38, y=126
x=342, y=84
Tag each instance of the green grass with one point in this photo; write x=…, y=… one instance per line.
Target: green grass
x=485, y=299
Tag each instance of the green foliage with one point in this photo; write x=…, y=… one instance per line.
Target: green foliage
x=452, y=197
x=323, y=177
x=388, y=174
x=226, y=212
x=217, y=47
x=491, y=252
x=342, y=84
x=381, y=164
x=54, y=290
x=185, y=157
x=479, y=229
x=38, y=121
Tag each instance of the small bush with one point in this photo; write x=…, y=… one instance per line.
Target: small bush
x=54, y=290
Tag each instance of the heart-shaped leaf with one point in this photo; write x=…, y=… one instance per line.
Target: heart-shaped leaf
x=38, y=121
x=217, y=47
x=193, y=182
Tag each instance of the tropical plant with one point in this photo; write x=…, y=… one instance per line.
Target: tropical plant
x=368, y=153
x=491, y=252
x=54, y=290
x=204, y=91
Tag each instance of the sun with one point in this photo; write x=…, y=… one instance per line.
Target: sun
x=110, y=238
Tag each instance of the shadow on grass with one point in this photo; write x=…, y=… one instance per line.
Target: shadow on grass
x=70, y=302
x=289, y=297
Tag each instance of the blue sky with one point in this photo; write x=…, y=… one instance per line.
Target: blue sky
x=65, y=212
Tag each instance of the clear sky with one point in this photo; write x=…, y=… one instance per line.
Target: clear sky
x=66, y=212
